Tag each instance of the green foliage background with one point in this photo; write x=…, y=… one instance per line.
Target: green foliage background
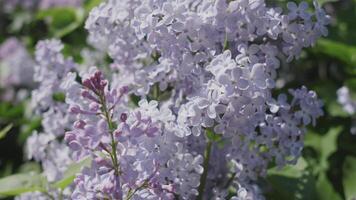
x=327, y=169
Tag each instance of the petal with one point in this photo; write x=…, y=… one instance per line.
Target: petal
x=292, y=6
x=243, y=84
x=211, y=111
x=303, y=5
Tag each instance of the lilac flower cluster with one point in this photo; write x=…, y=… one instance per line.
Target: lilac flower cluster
x=219, y=61
x=48, y=102
x=171, y=43
x=16, y=69
x=135, y=153
x=48, y=99
x=207, y=124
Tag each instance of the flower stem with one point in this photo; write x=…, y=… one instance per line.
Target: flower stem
x=205, y=172
x=133, y=192
x=111, y=131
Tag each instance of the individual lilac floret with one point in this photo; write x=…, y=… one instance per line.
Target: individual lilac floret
x=298, y=10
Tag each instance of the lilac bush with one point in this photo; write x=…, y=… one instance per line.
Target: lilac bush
x=207, y=125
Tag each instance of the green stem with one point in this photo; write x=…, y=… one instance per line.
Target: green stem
x=131, y=193
x=231, y=179
x=155, y=92
x=111, y=131
x=205, y=172
x=226, y=43
x=49, y=195
x=60, y=197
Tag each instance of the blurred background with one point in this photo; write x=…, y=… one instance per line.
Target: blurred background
x=327, y=169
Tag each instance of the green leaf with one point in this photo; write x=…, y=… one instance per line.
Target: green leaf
x=21, y=183
x=30, y=167
x=6, y=169
x=291, y=186
x=292, y=171
x=321, y=2
x=71, y=172
x=90, y=4
x=62, y=20
x=4, y=131
x=19, y=20
x=325, y=189
x=325, y=145
x=349, y=178
x=28, y=127
x=9, y=111
x=338, y=50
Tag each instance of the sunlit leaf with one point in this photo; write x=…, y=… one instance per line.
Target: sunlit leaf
x=71, y=172
x=292, y=171
x=4, y=131
x=62, y=20
x=338, y=50
x=325, y=145
x=30, y=167
x=292, y=182
x=325, y=190
x=21, y=183
x=90, y=4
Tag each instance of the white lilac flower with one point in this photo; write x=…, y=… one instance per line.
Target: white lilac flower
x=344, y=98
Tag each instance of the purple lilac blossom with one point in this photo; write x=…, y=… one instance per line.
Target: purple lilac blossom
x=217, y=63
x=221, y=57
